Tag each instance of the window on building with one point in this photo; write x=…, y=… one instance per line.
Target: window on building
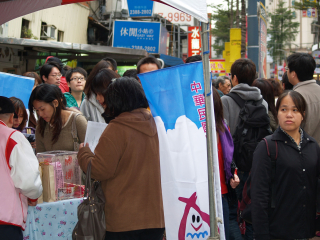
x=60, y=36
x=43, y=31
x=25, y=31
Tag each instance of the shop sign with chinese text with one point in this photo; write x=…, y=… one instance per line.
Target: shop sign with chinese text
x=194, y=42
x=137, y=35
x=217, y=65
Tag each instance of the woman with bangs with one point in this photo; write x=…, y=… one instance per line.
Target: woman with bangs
x=21, y=116
x=56, y=123
x=284, y=186
x=90, y=107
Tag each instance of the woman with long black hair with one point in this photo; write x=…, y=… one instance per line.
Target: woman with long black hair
x=55, y=126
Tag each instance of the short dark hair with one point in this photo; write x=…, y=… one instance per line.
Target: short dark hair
x=194, y=58
x=48, y=93
x=131, y=73
x=297, y=99
x=245, y=70
x=18, y=105
x=148, y=60
x=124, y=94
x=267, y=93
x=102, y=80
x=221, y=79
x=100, y=65
x=112, y=62
x=46, y=69
x=303, y=64
x=75, y=70
x=285, y=81
x=56, y=61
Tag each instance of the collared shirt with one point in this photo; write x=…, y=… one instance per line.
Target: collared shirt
x=71, y=101
x=303, y=83
x=310, y=91
x=291, y=138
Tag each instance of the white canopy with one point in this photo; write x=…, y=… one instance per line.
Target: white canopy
x=195, y=8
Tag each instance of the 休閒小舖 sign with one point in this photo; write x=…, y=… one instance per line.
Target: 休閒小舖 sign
x=137, y=35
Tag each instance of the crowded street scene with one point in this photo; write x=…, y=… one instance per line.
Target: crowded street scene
x=159, y=119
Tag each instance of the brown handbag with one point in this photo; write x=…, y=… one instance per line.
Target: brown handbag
x=91, y=218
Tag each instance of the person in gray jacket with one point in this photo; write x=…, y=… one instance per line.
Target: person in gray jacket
x=243, y=73
x=300, y=71
x=90, y=106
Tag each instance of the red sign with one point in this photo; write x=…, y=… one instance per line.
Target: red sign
x=194, y=42
x=73, y=1
x=217, y=65
x=304, y=13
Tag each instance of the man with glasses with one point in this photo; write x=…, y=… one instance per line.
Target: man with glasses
x=300, y=71
x=50, y=73
x=76, y=79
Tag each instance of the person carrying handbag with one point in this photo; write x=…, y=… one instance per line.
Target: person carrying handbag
x=127, y=162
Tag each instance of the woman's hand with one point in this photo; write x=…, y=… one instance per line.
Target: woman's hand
x=234, y=182
x=33, y=145
x=82, y=145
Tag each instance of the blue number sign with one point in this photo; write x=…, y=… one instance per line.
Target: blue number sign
x=141, y=8
x=137, y=35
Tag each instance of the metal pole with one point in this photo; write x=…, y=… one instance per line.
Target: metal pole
x=179, y=45
x=209, y=126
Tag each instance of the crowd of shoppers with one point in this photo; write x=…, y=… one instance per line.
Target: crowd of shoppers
x=64, y=99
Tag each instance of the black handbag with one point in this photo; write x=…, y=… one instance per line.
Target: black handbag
x=91, y=218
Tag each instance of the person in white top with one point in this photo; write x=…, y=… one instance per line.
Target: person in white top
x=20, y=181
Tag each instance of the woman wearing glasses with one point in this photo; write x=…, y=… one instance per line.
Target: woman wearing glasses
x=76, y=79
x=50, y=73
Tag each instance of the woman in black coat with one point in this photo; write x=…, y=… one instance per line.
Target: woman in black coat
x=295, y=183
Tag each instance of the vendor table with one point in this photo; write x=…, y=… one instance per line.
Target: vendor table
x=54, y=220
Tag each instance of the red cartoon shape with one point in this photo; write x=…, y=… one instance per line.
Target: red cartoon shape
x=191, y=203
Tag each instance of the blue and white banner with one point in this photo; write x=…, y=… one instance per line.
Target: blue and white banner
x=12, y=85
x=176, y=99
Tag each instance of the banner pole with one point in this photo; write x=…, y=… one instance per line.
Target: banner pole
x=211, y=129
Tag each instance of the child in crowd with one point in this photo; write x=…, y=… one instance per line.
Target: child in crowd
x=21, y=116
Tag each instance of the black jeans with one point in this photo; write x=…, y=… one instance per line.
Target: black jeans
x=10, y=232
x=143, y=234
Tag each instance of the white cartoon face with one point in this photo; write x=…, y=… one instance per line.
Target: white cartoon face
x=196, y=227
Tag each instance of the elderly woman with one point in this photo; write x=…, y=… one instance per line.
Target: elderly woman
x=126, y=161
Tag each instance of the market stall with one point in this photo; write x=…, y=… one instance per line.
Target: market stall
x=56, y=214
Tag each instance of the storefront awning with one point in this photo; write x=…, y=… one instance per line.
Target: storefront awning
x=84, y=52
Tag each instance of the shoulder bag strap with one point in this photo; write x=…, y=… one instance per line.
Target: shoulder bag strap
x=75, y=133
x=272, y=148
x=237, y=99
x=88, y=181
